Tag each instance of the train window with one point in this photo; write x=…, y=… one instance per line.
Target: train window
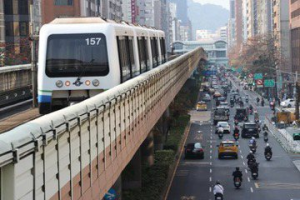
x=157, y=50
x=142, y=55
x=154, y=52
x=146, y=53
x=76, y=55
x=163, y=49
x=134, y=68
x=124, y=58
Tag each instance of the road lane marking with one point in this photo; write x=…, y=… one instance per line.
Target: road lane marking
x=242, y=157
x=244, y=163
x=210, y=163
x=251, y=189
x=210, y=146
x=211, y=142
x=248, y=179
x=210, y=179
x=246, y=171
x=210, y=157
x=210, y=170
x=209, y=189
x=210, y=151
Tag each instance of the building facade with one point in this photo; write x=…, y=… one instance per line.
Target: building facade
x=239, y=23
x=264, y=17
x=231, y=25
x=295, y=34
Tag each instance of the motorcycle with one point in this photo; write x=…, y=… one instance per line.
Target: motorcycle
x=236, y=122
x=256, y=121
x=236, y=136
x=250, y=162
x=254, y=174
x=247, y=100
x=237, y=182
x=220, y=135
x=250, y=111
x=252, y=148
x=272, y=105
x=268, y=156
x=266, y=138
x=219, y=196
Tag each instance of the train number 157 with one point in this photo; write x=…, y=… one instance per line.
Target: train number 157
x=93, y=41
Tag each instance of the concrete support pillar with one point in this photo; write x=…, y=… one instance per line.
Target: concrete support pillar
x=148, y=150
x=161, y=129
x=132, y=175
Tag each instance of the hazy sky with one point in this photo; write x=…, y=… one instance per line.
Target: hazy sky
x=224, y=3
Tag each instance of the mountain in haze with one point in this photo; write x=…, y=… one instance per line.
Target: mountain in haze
x=207, y=16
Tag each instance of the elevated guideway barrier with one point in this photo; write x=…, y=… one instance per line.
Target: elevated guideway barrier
x=15, y=83
x=80, y=151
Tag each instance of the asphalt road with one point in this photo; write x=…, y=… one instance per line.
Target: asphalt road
x=278, y=179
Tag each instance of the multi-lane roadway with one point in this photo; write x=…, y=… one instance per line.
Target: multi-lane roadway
x=278, y=179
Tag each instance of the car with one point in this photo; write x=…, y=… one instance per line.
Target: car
x=212, y=90
x=206, y=97
x=249, y=130
x=288, y=103
x=194, y=150
x=224, y=125
x=227, y=148
x=224, y=103
x=217, y=94
x=296, y=136
x=201, y=105
x=221, y=99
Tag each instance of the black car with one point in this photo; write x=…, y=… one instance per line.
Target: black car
x=221, y=99
x=250, y=130
x=241, y=114
x=194, y=150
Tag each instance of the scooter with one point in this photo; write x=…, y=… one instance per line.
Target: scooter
x=237, y=182
x=252, y=148
x=236, y=122
x=266, y=138
x=236, y=136
x=268, y=156
x=254, y=174
x=219, y=196
x=250, y=111
x=220, y=135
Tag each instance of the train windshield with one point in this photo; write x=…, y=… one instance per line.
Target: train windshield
x=76, y=55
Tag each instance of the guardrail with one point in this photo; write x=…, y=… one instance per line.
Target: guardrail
x=80, y=151
x=15, y=83
x=283, y=137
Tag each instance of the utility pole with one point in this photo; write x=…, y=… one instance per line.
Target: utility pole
x=33, y=39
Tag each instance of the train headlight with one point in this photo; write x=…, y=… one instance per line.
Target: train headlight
x=59, y=84
x=96, y=82
x=67, y=83
x=87, y=82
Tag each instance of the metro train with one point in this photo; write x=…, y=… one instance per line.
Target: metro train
x=82, y=57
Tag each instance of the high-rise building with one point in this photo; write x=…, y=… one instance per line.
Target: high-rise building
x=222, y=33
x=231, y=25
x=146, y=12
x=295, y=34
x=264, y=17
x=239, y=23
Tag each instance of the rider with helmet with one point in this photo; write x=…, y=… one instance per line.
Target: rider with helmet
x=237, y=174
x=218, y=189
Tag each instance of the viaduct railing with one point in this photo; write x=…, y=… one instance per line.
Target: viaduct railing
x=15, y=83
x=80, y=151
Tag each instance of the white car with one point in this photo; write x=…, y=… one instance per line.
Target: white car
x=224, y=125
x=289, y=103
x=206, y=97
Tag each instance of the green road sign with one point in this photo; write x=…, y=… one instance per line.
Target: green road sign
x=269, y=83
x=258, y=76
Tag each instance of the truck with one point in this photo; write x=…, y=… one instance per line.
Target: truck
x=220, y=114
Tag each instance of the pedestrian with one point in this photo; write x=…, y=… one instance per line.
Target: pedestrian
x=278, y=100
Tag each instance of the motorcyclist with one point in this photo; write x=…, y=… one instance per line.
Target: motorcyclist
x=237, y=174
x=268, y=149
x=252, y=142
x=262, y=102
x=236, y=131
x=247, y=98
x=250, y=157
x=257, y=100
x=218, y=189
x=254, y=166
x=241, y=103
x=220, y=129
x=265, y=134
x=265, y=128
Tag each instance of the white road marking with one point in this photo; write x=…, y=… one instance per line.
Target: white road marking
x=211, y=142
x=210, y=157
x=210, y=151
x=242, y=157
x=210, y=170
x=210, y=179
x=210, y=163
x=244, y=163
x=251, y=189
x=210, y=146
x=209, y=189
x=248, y=179
x=246, y=171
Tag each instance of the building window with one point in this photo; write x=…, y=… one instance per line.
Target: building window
x=24, y=29
x=63, y=2
x=9, y=29
x=8, y=7
x=23, y=7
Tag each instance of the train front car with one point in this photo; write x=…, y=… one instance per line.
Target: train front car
x=77, y=60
